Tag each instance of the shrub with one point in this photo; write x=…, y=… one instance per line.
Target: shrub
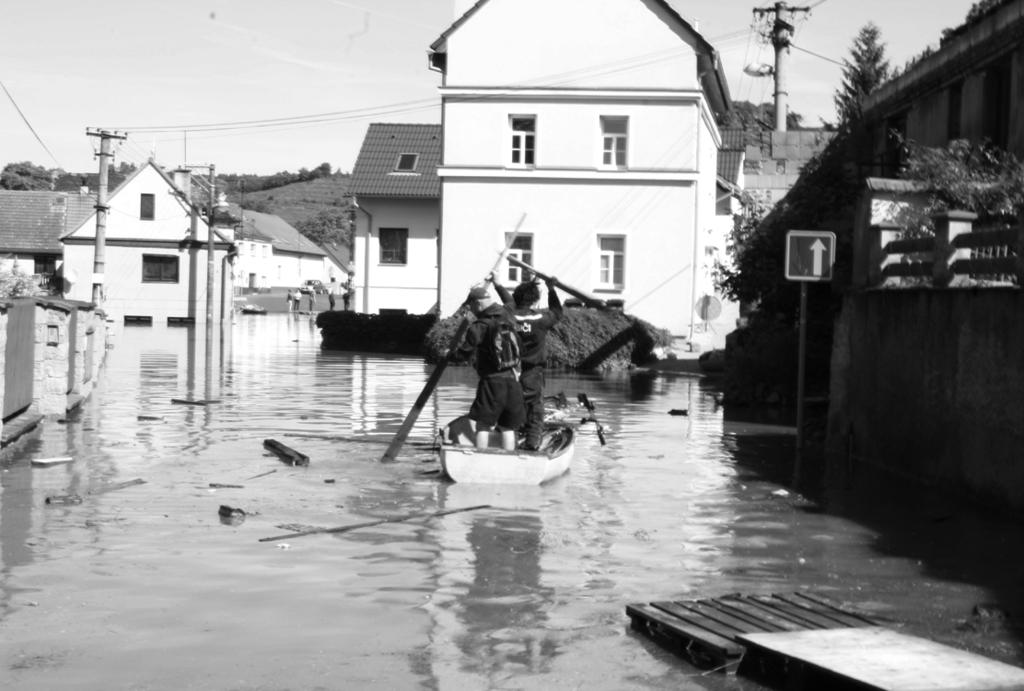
x=14, y=284
x=585, y=339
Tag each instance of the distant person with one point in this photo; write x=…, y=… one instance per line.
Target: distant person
x=346, y=297
x=493, y=344
x=293, y=300
x=533, y=326
x=332, y=290
x=312, y=299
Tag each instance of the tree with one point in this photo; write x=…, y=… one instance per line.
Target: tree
x=26, y=176
x=865, y=71
x=330, y=226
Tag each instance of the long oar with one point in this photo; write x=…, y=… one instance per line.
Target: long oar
x=587, y=300
x=403, y=432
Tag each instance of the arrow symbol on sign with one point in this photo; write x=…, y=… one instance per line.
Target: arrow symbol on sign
x=818, y=249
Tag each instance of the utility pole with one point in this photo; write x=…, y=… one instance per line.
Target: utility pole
x=209, y=254
x=100, y=249
x=781, y=33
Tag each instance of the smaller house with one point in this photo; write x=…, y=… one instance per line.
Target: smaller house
x=157, y=253
x=273, y=254
x=398, y=216
x=31, y=224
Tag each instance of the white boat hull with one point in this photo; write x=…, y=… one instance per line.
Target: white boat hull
x=467, y=464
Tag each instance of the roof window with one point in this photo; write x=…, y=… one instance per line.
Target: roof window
x=406, y=163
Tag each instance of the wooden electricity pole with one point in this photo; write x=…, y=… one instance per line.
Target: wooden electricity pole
x=100, y=249
x=781, y=33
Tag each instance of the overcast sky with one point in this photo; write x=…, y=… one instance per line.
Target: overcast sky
x=324, y=70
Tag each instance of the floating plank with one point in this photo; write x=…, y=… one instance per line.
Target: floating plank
x=826, y=609
x=782, y=608
x=56, y=460
x=703, y=648
x=711, y=631
x=870, y=657
x=740, y=607
x=286, y=453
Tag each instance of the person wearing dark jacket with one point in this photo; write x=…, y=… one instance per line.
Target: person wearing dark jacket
x=499, y=396
x=533, y=325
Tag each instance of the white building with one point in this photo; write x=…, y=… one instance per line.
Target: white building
x=597, y=120
x=396, y=190
x=156, y=254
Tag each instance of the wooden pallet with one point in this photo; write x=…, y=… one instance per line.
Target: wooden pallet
x=708, y=632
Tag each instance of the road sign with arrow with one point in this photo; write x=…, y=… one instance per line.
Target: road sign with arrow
x=810, y=255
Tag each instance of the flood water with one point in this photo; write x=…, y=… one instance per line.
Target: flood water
x=147, y=587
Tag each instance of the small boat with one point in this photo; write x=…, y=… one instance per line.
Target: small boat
x=462, y=462
x=249, y=308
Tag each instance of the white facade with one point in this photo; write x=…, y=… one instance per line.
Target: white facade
x=384, y=281
x=152, y=267
x=622, y=222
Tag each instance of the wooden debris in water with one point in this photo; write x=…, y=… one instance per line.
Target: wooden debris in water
x=220, y=485
x=71, y=499
x=354, y=526
x=194, y=401
x=708, y=632
x=286, y=453
x=56, y=460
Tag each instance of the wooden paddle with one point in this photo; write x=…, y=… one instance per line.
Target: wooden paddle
x=584, y=400
x=587, y=300
x=403, y=432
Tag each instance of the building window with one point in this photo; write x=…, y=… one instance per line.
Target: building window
x=611, y=261
x=613, y=136
x=394, y=245
x=159, y=268
x=996, y=106
x=521, y=249
x=524, y=133
x=406, y=163
x=147, y=207
x=955, y=113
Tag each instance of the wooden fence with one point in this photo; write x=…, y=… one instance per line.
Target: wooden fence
x=958, y=255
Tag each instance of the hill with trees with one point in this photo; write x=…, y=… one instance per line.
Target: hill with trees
x=315, y=201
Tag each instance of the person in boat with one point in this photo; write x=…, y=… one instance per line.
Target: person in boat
x=489, y=342
x=533, y=326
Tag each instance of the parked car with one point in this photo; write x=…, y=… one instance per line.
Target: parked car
x=312, y=285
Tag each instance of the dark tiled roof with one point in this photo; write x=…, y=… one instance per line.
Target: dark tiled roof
x=277, y=232
x=34, y=221
x=374, y=173
x=733, y=138
x=729, y=163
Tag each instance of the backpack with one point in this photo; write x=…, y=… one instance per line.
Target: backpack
x=503, y=343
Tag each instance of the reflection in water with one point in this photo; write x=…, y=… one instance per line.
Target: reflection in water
x=528, y=593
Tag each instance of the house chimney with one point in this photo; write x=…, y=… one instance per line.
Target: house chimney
x=183, y=181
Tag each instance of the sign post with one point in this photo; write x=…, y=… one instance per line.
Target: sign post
x=810, y=255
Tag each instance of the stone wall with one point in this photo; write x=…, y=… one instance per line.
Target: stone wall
x=52, y=392
x=929, y=384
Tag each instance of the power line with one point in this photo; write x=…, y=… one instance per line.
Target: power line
x=29, y=125
x=804, y=50
x=283, y=123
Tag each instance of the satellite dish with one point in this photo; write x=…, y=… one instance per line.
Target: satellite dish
x=762, y=70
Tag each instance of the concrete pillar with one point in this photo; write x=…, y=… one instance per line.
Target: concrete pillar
x=948, y=225
x=880, y=235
